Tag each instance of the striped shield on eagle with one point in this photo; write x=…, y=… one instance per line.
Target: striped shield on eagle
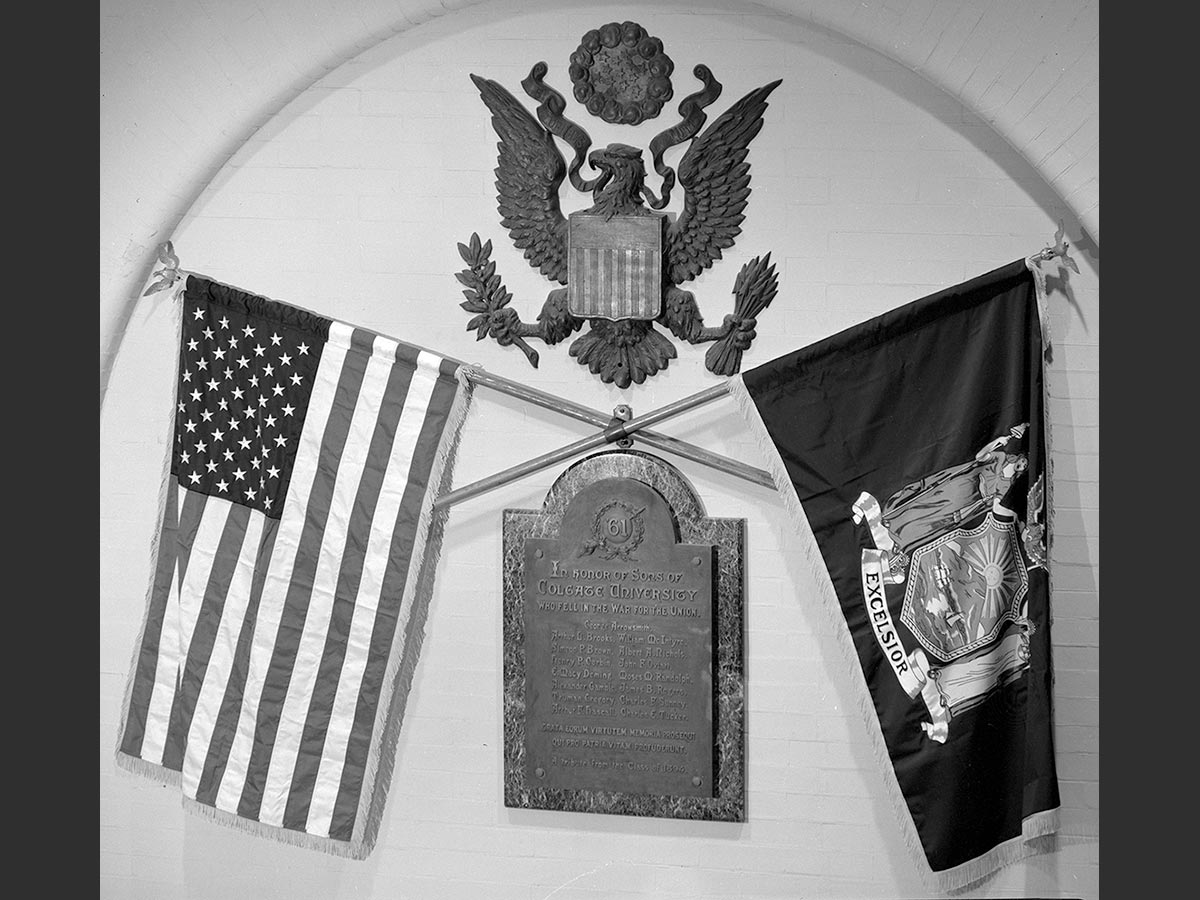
x=614, y=267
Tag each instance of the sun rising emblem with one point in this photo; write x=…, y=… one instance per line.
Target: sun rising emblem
x=992, y=558
x=963, y=587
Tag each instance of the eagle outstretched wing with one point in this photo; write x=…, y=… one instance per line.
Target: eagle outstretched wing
x=528, y=175
x=716, y=181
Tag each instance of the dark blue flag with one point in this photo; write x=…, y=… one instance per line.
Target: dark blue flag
x=915, y=447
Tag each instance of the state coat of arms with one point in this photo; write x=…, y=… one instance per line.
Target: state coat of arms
x=956, y=542
x=620, y=264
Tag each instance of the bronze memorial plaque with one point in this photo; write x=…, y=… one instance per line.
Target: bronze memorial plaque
x=618, y=648
x=612, y=632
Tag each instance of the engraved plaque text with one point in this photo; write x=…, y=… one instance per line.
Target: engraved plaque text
x=618, y=649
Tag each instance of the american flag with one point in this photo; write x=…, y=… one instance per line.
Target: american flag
x=286, y=605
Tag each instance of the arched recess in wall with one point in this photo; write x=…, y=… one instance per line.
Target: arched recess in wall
x=1028, y=69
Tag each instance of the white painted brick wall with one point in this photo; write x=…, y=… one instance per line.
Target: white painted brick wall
x=871, y=188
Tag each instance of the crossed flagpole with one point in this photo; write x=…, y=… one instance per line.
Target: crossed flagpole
x=615, y=429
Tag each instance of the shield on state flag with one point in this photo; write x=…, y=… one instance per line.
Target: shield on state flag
x=963, y=587
x=614, y=266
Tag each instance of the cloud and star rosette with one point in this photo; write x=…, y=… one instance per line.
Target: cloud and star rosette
x=621, y=73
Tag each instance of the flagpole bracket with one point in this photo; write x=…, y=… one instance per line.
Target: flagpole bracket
x=615, y=433
x=1048, y=253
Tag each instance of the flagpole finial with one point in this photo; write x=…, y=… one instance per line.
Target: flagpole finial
x=169, y=274
x=1058, y=249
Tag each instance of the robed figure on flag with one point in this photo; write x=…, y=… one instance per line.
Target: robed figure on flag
x=914, y=446
x=292, y=566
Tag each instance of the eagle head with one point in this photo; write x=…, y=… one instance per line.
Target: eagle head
x=618, y=189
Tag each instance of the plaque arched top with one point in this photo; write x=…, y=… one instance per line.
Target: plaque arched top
x=650, y=470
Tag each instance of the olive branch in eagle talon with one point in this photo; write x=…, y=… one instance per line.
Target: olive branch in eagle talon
x=487, y=298
x=621, y=347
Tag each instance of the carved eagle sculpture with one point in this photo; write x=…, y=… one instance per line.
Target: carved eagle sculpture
x=715, y=178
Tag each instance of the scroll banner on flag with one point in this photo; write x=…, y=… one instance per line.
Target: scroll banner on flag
x=291, y=568
x=911, y=451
